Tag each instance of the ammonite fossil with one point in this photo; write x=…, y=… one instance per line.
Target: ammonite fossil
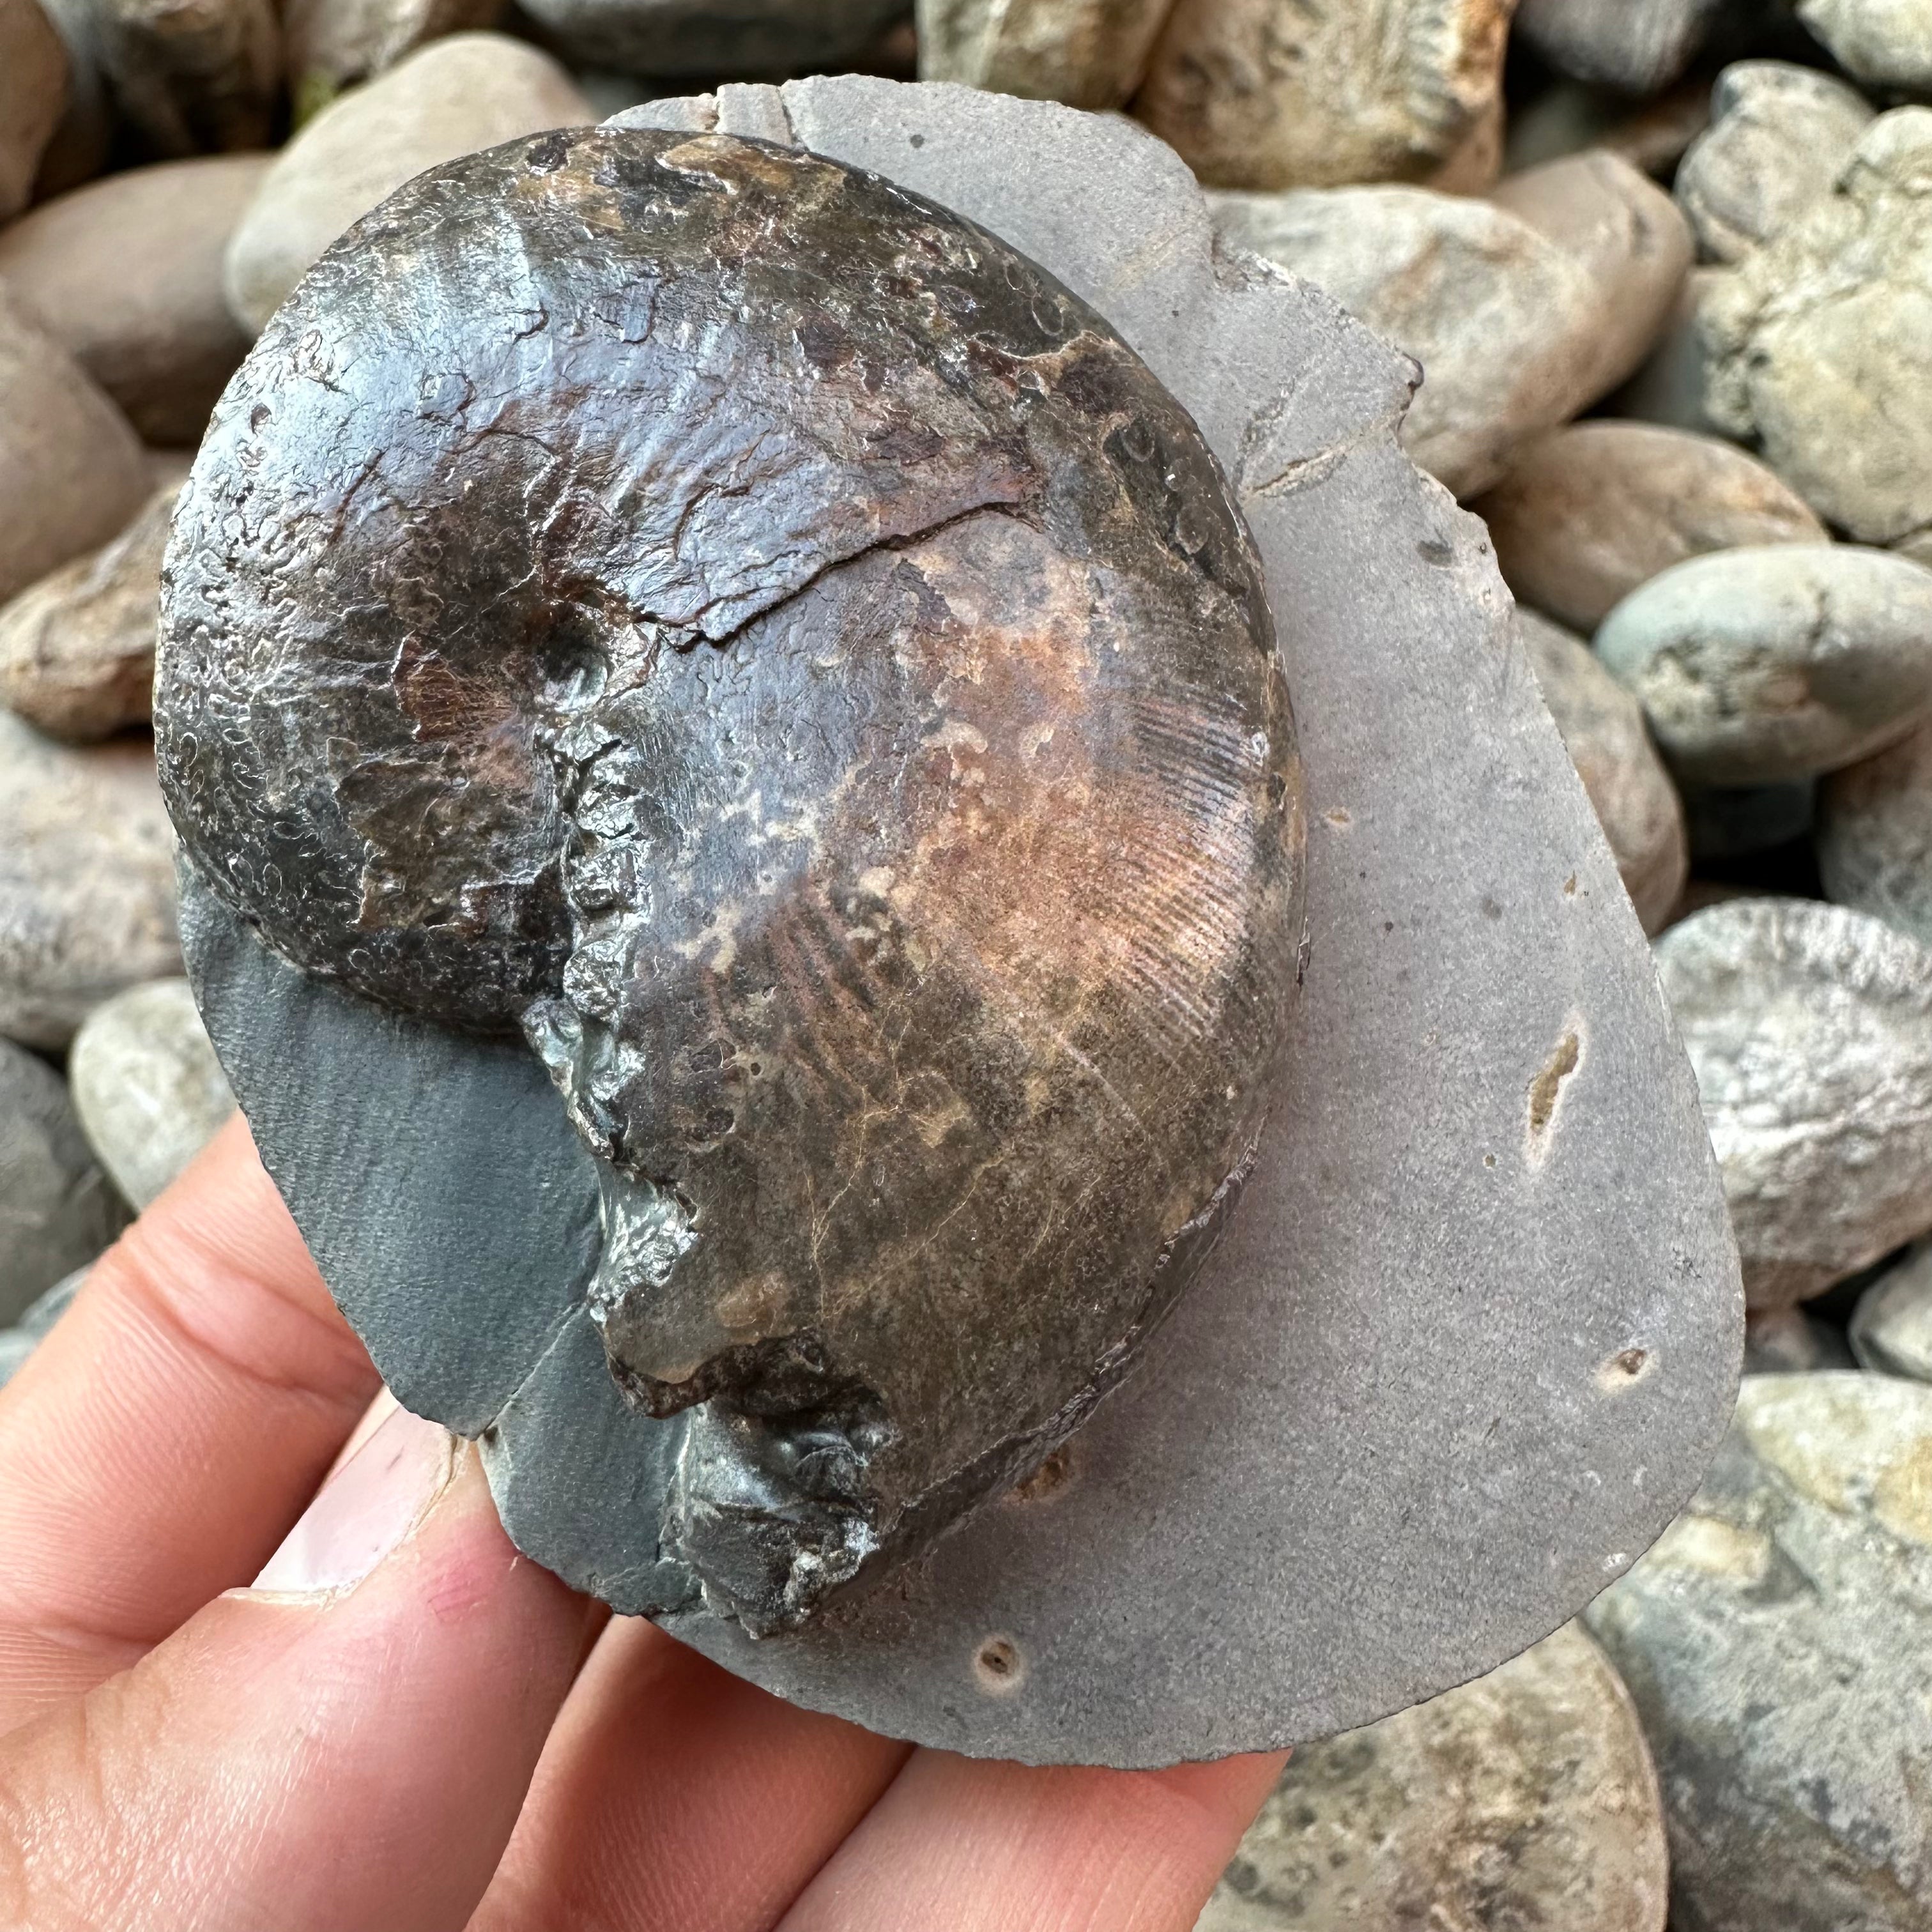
x=756, y=635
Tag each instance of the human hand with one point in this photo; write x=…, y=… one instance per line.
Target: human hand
x=403, y=1724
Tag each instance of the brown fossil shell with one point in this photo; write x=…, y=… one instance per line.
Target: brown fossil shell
x=759, y=635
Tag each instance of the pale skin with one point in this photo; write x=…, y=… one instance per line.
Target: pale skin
x=389, y=1721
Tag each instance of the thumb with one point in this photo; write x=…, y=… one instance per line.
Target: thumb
x=345, y=1745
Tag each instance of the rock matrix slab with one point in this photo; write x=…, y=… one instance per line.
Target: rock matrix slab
x=126, y=274
x=451, y=98
x=187, y=80
x=683, y=38
x=1524, y=1799
x=1637, y=49
x=1776, y=662
x=72, y=472
x=1820, y=352
x=1779, y=134
x=57, y=1211
x=1874, y=835
x=1891, y=1329
x=77, y=649
x=146, y=1084
x=1810, y=1029
x=1593, y=510
x=1503, y=308
x=1777, y=1642
x=86, y=880
x=1088, y=53
x=1253, y=95
x=1631, y=793
x=1887, y=43
x=329, y=45
x=33, y=96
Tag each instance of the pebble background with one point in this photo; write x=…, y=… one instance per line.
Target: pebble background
x=1665, y=267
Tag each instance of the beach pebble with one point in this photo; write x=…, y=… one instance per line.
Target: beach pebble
x=1733, y=821
x=1637, y=47
x=1525, y=1799
x=1891, y=1329
x=1887, y=43
x=1088, y=53
x=149, y=1091
x=1874, y=835
x=1778, y=1641
x=1671, y=382
x=33, y=96
x=329, y=45
x=1593, y=510
x=451, y=98
x=1570, y=116
x=1809, y=1028
x=126, y=274
x=747, y=40
x=1602, y=729
x=57, y=1211
x=1776, y=662
x=1788, y=1342
x=1255, y=94
x=186, y=80
x=87, y=902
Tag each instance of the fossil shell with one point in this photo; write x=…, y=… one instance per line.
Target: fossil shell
x=760, y=636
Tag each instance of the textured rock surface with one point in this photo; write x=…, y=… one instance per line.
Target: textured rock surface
x=1603, y=732
x=1507, y=1483
x=147, y=1086
x=57, y=1211
x=33, y=95
x=1505, y=315
x=681, y=38
x=1778, y=1644
x=1821, y=341
x=77, y=649
x=1254, y=94
x=86, y=883
x=1786, y=1341
x=187, y=78
x=1891, y=1329
x=1887, y=43
x=1525, y=1800
x=1088, y=53
x=126, y=274
x=1775, y=662
x=1779, y=135
x=1810, y=1029
x=1638, y=47
x=1874, y=835
x=329, y=45
x=71, y=469
x=453, y=97
x=1593, y=510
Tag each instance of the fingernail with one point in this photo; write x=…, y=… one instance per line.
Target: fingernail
x=365, y=1510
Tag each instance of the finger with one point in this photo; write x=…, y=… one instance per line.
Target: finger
x=161, y=1439
x=969, y=1846
x=674, y=1795
x=316, y=1754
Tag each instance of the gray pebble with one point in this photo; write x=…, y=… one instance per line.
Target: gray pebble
x=1874, y=835
x=1788, y=1342
x=1778, y=1641
x=1774, y=662
x=1890, y=1328
x=1603, y=731
x=57, y=1211
x=1810, y=1030
x=1525, y=1799
x=1638, y=47
x=685, y=38
x=77, y=649
x=1887, y=43
x=87, y=901
x=1729, y=821
x=1593, y=510
x=1570, y=116
x=1669, y=384
x=1088, y=53
x=451, y=98
x=1779, y=134
x=33, y=95
x=150, y=1093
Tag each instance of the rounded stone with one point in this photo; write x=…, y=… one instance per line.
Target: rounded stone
x=72, y=472
x=451, y=98
x=1636, y=48
x=1088, y=53
x=149, y=1091
x=87, y=903
x=1820, y=341
x=125, y=273
x=1874, y=835
x=77, y=649
x=1525, y=1799
x=1590, y=511
x=1887, y=43
x=186, y=80
x=33, y=96
x=57, y=1211
x=1787, y=1341
x=1631, y=793
x=1891, y=1329
x=329, y=45
x=1670, y=383
x=1777, y=1642
x=1776, y=662
x=1728, y=822
x=1779, y=134
x=680, y=39
x=1810, y=1030
x=1253, y=94
x=1504, y=307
